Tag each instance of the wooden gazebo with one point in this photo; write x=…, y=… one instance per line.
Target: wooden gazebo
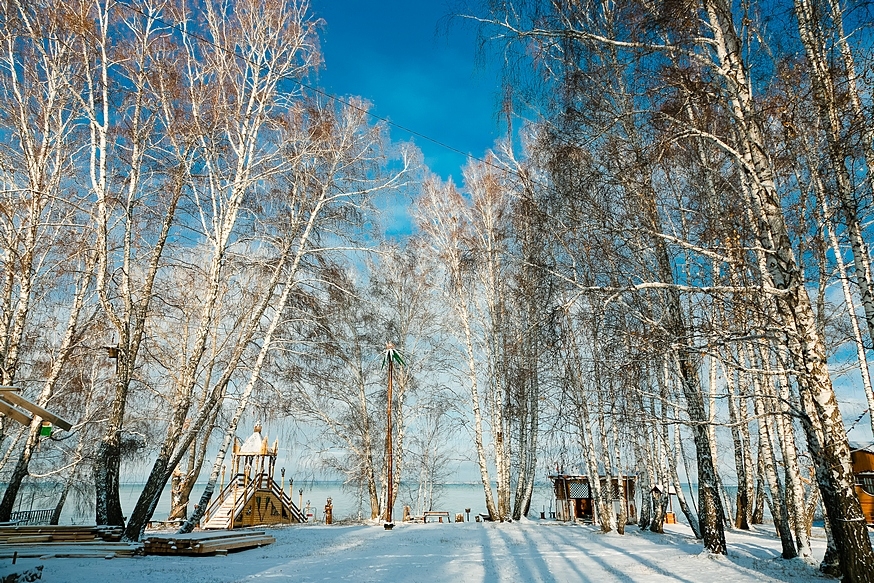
x=574, y=500
x=252, y=496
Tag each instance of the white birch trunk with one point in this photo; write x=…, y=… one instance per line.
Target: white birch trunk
x=794, y=488
x=768, y=460
x=743, y=501
x=861, y=353
x=832, y=457
x=826, y=96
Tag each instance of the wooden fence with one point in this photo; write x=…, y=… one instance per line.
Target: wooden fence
x=31, y=516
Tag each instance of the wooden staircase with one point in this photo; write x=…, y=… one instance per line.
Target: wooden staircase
x=238, y=496
x=221, y=517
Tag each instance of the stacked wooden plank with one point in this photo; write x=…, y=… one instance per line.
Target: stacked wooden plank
x=205, y=543
x=41, y=541
x=60, y=533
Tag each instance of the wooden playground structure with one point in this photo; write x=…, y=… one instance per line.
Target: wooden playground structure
x=252, y=496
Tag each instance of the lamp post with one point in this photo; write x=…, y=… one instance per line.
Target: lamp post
x=390, y=356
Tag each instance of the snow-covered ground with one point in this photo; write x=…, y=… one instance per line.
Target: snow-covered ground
x=471, y=552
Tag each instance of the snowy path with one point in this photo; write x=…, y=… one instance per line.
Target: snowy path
x=525, y=551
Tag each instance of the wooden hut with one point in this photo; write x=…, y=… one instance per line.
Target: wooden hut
x=252, y=497
x=862, y=457
x=574, y=500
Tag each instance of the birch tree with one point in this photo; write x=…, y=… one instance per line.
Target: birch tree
x=236, y=104
x=43, y=236
x=323, y=203
x=116, y=51
x=712, y=38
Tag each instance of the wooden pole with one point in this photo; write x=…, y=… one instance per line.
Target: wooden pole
x=388, y=436
x=234, y=509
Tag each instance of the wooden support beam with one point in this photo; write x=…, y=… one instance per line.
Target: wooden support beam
x=14, y=413
x=12, y=398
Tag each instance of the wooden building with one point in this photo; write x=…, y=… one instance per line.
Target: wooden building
x=574, y=498
x=863, y=469
x=252, y=496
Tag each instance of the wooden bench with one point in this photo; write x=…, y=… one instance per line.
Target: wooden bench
x=435, y=514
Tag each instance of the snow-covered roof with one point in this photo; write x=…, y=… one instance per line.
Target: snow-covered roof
x=583, y=477
x=254, y=444
x=862, y=446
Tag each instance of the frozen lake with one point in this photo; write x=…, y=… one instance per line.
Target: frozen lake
x=453, y=498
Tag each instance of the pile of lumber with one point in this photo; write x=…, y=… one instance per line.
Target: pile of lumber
x=42, y=541
x=205, y=543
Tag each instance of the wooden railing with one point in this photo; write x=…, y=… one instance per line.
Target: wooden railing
x=286, y=500
x=243, y=494
x=229, y=492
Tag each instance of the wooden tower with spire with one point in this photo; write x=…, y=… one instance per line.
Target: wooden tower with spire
x=252, y=496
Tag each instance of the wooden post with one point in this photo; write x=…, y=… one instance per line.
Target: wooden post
x=234, y=508
x=388, y=437
x=571, y=508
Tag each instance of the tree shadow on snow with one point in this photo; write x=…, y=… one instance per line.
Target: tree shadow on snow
x=744, y=557
x=588, y=540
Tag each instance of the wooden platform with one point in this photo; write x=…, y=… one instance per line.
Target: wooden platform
x=64, y=541
x=205, y=543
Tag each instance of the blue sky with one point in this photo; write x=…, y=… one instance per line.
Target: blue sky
x=418, y=68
